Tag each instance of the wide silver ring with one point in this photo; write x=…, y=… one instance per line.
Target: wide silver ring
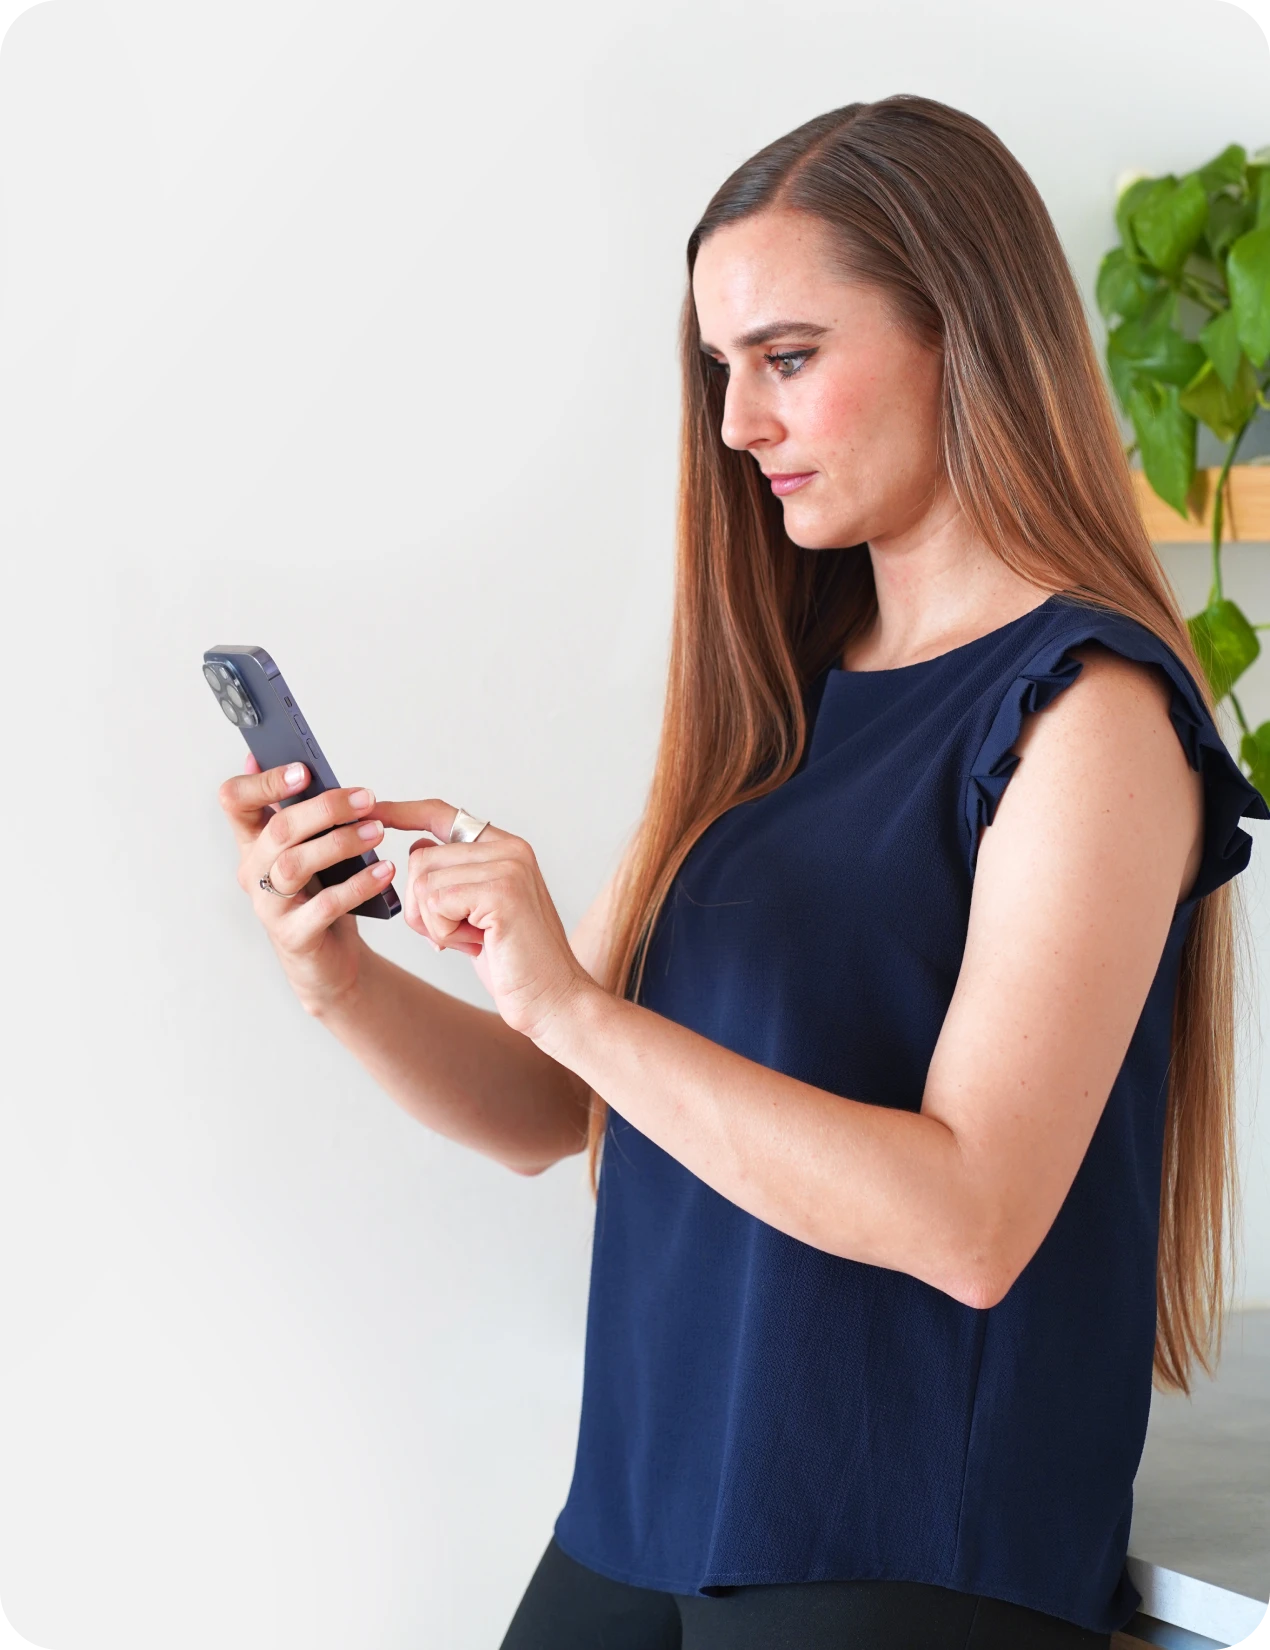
x=269, y=888
x=466, y=828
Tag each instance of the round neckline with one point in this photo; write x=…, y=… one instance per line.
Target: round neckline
x=952, y=652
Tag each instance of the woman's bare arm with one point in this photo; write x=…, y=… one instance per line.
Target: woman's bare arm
x=460, y=1069
x=1096, y=839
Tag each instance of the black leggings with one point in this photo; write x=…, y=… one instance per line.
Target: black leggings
x=568, y=1607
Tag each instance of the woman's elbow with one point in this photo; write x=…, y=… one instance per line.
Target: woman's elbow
x=982, y=1291
x=986, y=1275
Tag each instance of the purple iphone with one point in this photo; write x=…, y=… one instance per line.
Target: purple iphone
x=253, y=696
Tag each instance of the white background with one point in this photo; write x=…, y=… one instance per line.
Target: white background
x=349, y=331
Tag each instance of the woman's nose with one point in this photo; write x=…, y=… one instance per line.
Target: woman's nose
x=747, y=419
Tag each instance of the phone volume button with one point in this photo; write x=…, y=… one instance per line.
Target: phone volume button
x=299, y=722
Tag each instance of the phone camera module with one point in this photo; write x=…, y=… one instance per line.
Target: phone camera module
x=231, y=695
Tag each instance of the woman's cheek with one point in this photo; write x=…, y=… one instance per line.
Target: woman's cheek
x=830, y=434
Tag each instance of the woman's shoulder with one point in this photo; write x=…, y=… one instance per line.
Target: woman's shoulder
x=1072, y=623
x=1122, y=697
x=1106, y=757
x=1136, y=687
x=1124, y=664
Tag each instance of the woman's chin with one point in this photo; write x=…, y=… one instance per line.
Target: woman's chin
x=811, y=531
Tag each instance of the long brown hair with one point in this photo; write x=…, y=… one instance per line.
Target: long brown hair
x=927, y=203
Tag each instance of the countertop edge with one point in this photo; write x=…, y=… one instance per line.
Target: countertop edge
x=1196, y=1605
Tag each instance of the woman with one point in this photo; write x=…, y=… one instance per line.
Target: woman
x=912, y=996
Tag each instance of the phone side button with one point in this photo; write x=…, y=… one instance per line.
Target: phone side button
x=299, y=722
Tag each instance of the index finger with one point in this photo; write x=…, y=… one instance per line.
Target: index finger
x=433, y=815
x=246, y=797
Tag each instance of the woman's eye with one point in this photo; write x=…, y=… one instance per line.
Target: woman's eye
x=788, y=362
x=717, y=366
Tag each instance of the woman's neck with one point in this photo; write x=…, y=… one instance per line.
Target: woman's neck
x=937, y=590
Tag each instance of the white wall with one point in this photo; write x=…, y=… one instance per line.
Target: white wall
x=348, y=330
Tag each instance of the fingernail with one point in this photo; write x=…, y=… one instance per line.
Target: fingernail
x=360, y=799
x=382, y=868
x=370, y=830
x=432, y=942
x=294, y=774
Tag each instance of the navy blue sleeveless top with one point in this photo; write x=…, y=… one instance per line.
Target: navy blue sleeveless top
x=757, y=1410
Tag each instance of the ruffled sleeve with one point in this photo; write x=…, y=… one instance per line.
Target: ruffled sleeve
x=1228, y=794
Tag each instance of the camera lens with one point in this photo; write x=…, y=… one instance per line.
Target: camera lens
x=213, y=680
x=229, y=711
x=235, y=694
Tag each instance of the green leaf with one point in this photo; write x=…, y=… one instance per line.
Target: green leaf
x=1225, y=169
x=1123, y=378
x=1263, y=197
x=1136, y=195
x=1154, y=348
x=1248, y=272
x=1225, y=642
x=1255, y=750
x=1220, y=342
x=1168, y=223
x=1166, y=440
x=1225, y=411
x=1124, y=285
x=1228, y=219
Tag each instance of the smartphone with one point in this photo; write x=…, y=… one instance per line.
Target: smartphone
x=253, y=696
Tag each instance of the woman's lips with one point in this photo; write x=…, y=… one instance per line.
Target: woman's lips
x=782, y=484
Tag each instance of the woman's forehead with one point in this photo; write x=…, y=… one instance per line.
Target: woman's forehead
x=754, y=274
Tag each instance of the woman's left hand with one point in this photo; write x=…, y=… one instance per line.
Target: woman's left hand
x=488, y=898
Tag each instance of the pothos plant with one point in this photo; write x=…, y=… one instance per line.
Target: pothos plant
x=1186, y=296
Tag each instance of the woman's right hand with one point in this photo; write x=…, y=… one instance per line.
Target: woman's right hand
x=313, y=932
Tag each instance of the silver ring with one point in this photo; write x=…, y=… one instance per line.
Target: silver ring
x=268, y=886
x=466, y=828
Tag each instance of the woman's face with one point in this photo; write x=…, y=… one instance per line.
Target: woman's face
x=837, y=403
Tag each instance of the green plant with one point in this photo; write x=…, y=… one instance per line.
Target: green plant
x=1186, y=296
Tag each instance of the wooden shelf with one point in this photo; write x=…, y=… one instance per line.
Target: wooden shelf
x=1246, y=513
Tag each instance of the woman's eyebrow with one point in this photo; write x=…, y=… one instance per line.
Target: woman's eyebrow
x=773, y=330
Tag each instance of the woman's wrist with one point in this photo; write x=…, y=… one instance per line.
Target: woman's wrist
x=572, y=1023
x=338, y=1005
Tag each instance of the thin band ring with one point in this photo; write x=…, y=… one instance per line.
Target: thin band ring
x=269, y=888
x=466, y=827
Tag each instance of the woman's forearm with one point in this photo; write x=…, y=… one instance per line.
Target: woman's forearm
x=867, y=1182
x=459, y=1069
